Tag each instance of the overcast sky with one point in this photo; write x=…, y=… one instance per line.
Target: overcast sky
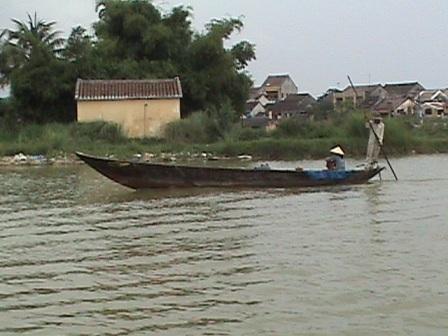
x=318, y=42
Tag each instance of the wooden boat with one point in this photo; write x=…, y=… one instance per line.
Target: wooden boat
x=139, y=175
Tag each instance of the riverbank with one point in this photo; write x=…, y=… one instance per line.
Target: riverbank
x=56, y=143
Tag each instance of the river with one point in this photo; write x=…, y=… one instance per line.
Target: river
x=83, y=256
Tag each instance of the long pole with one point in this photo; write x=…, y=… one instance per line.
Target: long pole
x=374, y=133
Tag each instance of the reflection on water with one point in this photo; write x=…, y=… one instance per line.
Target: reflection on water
x=81, y=255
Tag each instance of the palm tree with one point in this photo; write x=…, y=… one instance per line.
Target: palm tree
x=35, y=35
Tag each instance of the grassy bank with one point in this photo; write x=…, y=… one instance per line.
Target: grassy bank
x=293, y=139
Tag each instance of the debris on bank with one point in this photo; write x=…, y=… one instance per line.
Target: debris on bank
x=21, y=159
x=186, y=156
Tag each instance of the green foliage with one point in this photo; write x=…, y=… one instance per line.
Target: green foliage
x=433, y=128
x=199, y=128
x=238, y=133
x=302, y=128
x=138, y=41
x=398, y=135
x=202, y=127
x=275, y=149
x=98, y=131
x=39, y=79
x=354, y=126
x=200, y=133
x=133, y=39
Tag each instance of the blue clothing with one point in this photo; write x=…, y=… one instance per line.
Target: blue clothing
x=329, y=175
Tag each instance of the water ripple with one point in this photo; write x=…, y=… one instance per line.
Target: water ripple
x=82, y=256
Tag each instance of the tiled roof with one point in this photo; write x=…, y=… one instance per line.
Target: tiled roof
x=251, y=104
x=363, y=88
x=254, y=92
x=402, y=88
x=275, y=80
x=128, y=89
x=389, y=103
x=432, y=95
x=426, y=95
x=294, y=103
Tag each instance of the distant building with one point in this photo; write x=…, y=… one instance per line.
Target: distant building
x=257, y=105
x=438, y=95
x=278, y=87
x=267, y=101
x=364, y=94
x=328, y=98
x=254, y=93
x=386, y=100
x=434, y=109
x=394, y=106
x=141, y=107
x=254, y=108
x=406, y=90
x=433, y=103
x=297, y=105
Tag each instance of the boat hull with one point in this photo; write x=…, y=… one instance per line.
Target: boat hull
x=138, y=175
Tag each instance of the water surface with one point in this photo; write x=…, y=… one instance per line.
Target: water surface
x=83, y=256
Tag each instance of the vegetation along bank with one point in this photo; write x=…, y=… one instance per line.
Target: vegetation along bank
x=205, y=136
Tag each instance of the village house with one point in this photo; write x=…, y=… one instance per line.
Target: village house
x=399, y=100
x=254, y=108
x=328, y=98
x=141, y=107
x=386, y=100
x=257, y=105
x=297, y=105
x=365, y=94
x=433, y=103
x=403, y=89
x=265, y=103
x=275, y=87
x=395, y=106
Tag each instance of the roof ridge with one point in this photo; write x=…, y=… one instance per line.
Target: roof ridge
x=124, y=89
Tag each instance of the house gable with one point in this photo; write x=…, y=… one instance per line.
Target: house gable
x=278, y=87
x=403, y=89
x=141, y=107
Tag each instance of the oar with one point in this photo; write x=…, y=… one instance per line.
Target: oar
x=374, y=133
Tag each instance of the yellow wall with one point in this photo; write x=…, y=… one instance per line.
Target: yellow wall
x=136, y=119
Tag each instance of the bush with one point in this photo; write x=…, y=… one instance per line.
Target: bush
x=238, y=133
x=8, y=119
x=355, y=126
x=398, y=135
x=305, y=129
x=434, y=127
x=200, y=127
x=274, y=149
x=98, y=130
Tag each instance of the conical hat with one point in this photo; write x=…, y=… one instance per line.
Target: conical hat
x=337, y=150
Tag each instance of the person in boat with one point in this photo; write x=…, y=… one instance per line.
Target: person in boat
x=376, y=137
x=336, y=160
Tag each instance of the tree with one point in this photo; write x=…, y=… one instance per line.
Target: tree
x=31, y=64
x=214, y=75
x=28, y=39
x=139, y=41
x=133, y=39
